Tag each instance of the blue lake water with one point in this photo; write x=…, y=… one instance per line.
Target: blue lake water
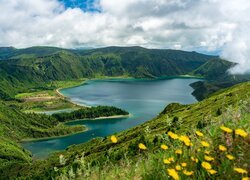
x=144, y=99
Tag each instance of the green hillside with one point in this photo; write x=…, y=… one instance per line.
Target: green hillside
x=36, y=51
x=37, y=70
x=35, y=67
x=101, y=158
x=15, y=126
x=215, y=71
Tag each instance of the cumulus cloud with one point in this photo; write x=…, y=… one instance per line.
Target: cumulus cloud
x=238, y=50
x=207, y=25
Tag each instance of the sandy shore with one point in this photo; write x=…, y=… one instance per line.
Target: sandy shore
x=64, y=97
x=53, y=137
x=103, y=117
x=113, y=117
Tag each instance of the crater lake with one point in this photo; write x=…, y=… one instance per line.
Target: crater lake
x=143, y=99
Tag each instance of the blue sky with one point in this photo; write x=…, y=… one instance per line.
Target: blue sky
x=85, y=5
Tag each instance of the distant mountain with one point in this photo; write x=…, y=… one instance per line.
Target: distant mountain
x=32, y=52
x=5, y=52
x=215, y=71
x=35, y=66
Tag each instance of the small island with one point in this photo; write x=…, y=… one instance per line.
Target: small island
x=91, y=113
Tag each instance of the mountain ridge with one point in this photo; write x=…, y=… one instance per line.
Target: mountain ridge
x=27, y=72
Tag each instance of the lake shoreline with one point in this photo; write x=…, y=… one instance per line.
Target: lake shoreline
x=86, y=128
x=185, y=76
x=28, y=140
x=65, y=97
x=105, y=126
x=100, y=118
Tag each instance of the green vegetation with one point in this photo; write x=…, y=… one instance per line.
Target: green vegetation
x=16, y=126
x=217, y=77
x=101, y=158
x=93, y=112
x=29, y=77
x=37, y=68
x=37, y=100
x=213, y=69
x=22, y=72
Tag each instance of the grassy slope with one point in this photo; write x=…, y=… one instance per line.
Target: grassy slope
x=12, y=154
x=15, y=126
x=102, y=158
x=46, y=100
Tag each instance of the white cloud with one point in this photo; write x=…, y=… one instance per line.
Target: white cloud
x=238, y=50
x=188, y=24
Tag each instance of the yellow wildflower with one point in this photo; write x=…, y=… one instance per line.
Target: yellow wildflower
x=178, y=151
x=199, y=150
x=208, y=158
x=188, y=173
x=199, y=133
x=205, y=144
x=211, y=171
x=185, y=140
x=207, y=152
x=240, y=170
x=222, y=148
x=166, y=161
x=245, y=178
x=173, y=173
x=142, y=146
x=226, y=129
x=230, y=157
x=113, y=139
x=164, y=147
x=178, y=167
x=241, y=132
x=173, y=135
x=183, y=164
x=194, y=159
x=206, y=165
x=171, y=159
